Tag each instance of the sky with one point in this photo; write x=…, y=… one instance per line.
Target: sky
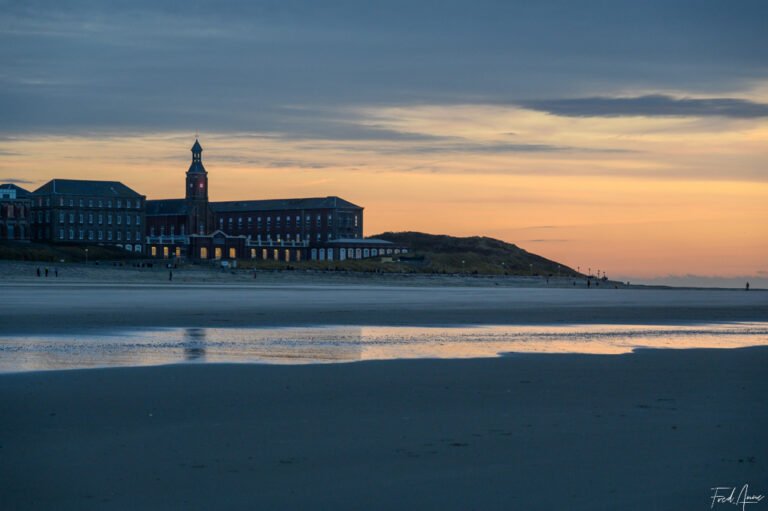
x=630, y=137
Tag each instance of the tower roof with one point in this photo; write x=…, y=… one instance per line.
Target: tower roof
x=197, y=148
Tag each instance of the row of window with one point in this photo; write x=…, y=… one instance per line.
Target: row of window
x=100, y=235
x=99, y=218
x=287, y=218
x=136, y=203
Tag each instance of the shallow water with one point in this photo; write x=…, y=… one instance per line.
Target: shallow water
x=353, y=343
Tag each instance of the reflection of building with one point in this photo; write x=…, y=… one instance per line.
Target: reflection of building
x=15, y=206
x=328, y=228
x=88, y=212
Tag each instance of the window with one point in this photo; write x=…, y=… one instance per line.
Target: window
x=80, y=234
x=153, y=251
x=101, y=204
x=80, y=218
x=152, y=231
x=119, y=204
x=165, y=252
x=71, y=234
x=109, y=219
x=61, y=201
x=162, y=231
x=71, y=203
x=101, y=219
x=119, y=219
x=109, y=203
x=138, y=236
x=217, y=253
x=330, y=220
x=90, y=235
x=90, y=218
x=47, y=217
x=90, y=203
x=61, y=234
x=80, y=202
x=71, y=218
x=119, y=236
x=101, y=235
x=127, y=219
x=203, y=252
x=128, y=203
x=178, y=251
x=109, y=235
x=232, y=253
x=127, y=235
x=61, y=217
x=138, y=220
x=137, y=248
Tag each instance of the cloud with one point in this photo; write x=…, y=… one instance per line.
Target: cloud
x=16, y=180
x=656, y=105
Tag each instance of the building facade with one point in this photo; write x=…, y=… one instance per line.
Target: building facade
x=281, y=229
x=70, y=211
x=15, y=211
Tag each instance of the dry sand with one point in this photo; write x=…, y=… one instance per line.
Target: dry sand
x=51, y=307
x=648, y=431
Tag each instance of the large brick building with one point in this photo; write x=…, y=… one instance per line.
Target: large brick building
x=15, y=211
x=71, y=211
x=326, y=228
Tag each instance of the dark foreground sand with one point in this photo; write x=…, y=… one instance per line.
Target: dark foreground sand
x=648, y=431
x=58, y=307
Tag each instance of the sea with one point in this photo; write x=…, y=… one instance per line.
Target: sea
x=346, y=344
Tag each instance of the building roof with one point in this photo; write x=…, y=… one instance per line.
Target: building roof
x=359, y=241
x=20, y=192
x=86, y=187
x=167, y=207
x=197, y=148
x=283, y=204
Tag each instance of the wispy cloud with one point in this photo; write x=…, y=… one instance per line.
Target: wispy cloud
x=656, y=105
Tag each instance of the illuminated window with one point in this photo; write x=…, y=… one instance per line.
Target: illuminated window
x=263, y=253
x=153, y=250
x=287, y=255
x=276, y=255
x=165, y=252
x=253, y=253
x=203, y=252
x=178, y=251
x=232, y=253
x=217, y=253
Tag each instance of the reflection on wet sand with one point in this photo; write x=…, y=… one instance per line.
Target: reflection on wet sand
x=194, y=344
x=351, y=343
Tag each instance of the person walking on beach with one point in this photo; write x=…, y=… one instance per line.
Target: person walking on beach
x=747, y=288
x=38, y=271
x=46, y=272
x=170, y=275
x=56, y=272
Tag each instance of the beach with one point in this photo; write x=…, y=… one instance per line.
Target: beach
x=653, y=429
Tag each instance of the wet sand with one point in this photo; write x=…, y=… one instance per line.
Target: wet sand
x=651, y=430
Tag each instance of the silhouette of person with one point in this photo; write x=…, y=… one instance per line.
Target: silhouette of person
x=38, y=272
x=46, y=272
x=170, y=274
x=747, y=286
x=56, y=272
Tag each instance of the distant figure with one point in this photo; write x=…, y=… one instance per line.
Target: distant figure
x=46, y=272
x=589, y=283
x=747, y=288
x=38, y=271
x=170, y=274
x=56, y=272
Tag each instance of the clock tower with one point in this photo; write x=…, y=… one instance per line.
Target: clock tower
x=200, y=219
